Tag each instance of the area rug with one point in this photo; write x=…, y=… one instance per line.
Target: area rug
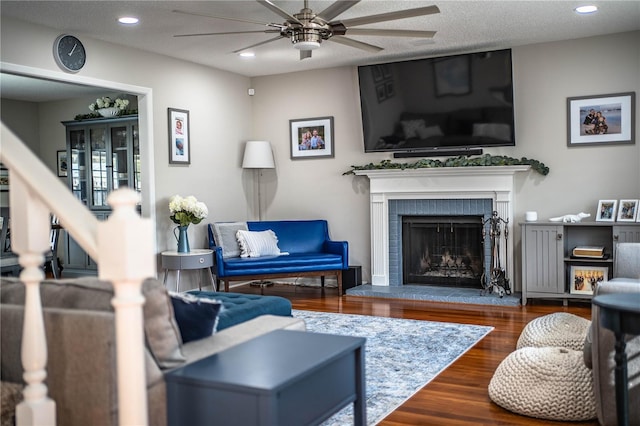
x=401, y=356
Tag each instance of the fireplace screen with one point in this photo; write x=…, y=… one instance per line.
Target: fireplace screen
x=442, y=250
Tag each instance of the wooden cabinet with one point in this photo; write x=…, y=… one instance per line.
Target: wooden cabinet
x=104, y=154
x=547, y=259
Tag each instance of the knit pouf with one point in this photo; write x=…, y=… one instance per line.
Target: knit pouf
x=560, y=330
x=546, y=383
x=11, y=394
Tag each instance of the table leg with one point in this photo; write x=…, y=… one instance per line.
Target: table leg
x=177, y=280
x=359, y=405
x=166, y=272
x=213, y=282
x=622, y=393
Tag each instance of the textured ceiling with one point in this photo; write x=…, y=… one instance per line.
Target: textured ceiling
x=461, y=26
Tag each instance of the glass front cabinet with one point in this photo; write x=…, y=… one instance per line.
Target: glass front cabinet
x=104, y=155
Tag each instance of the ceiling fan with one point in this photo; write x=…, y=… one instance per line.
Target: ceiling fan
x=307, y=29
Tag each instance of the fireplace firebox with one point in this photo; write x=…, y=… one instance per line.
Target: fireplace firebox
x=443, y=250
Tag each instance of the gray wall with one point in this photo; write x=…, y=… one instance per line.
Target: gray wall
x=223, y=117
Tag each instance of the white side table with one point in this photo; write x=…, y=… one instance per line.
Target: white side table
x=195, y=259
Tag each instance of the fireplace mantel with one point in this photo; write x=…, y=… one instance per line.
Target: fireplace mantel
x=476, y=182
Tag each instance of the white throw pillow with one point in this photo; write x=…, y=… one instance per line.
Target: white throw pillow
x=224, y=234
x=257, y=243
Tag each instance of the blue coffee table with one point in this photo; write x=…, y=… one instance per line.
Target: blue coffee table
x=278, y=379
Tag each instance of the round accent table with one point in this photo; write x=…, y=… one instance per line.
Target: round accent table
x=195, y=259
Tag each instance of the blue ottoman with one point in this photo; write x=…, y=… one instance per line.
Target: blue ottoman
x=240, y=307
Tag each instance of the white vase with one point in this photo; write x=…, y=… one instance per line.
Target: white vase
x=109, y=112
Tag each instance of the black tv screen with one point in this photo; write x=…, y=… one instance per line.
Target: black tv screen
x=433, y=106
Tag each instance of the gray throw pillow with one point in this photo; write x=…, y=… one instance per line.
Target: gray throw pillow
x=224, y=234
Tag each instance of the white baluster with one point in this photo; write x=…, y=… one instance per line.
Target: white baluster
x=126, y=247
x=30, y=223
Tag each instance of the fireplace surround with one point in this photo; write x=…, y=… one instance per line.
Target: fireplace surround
x=397, y=192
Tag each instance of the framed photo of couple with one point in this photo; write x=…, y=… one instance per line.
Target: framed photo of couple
x=601, y=120
x=311, y=138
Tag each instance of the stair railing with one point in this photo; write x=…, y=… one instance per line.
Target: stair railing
x=122, y=246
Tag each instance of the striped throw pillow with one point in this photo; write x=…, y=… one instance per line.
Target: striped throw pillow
x=257, y=243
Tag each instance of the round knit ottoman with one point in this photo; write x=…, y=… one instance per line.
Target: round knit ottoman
x=546, y=383
x=559, y=329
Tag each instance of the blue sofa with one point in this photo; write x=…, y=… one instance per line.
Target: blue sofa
x=310, y=253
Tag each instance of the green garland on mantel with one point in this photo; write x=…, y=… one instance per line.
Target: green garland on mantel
x=460, y=161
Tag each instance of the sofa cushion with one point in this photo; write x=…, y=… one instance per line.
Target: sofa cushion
x=282, y=264
x=296, y=236
x=238, y=308
x=224, y=235
x=197, y=318
x=89, y=293
x=258, y=243
x=410, y=128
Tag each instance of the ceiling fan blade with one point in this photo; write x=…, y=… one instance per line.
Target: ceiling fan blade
x=304, y=54
x=336, y=9
x=272, y=7
x=390, y=33
x=222, y=17
x=228, y=32
x=390, y=16
x=259, y=44
x=357, y=44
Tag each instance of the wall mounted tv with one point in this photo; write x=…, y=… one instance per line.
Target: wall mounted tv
x=438, y=106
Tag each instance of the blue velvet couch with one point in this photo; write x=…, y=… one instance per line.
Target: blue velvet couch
x=310, y=252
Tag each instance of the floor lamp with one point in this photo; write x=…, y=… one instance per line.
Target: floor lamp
x=258, y=156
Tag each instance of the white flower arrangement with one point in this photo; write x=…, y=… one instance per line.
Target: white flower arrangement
x=106, y=102
x=185, y=211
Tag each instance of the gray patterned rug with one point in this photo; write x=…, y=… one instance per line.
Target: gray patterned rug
x=401, y=356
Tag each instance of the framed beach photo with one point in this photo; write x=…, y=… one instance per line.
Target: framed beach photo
x=585, y=279
x=606, y=211
x=63, y=164
x=628, y=211
x=601, y=120
x=311, y=138
x=179, y=142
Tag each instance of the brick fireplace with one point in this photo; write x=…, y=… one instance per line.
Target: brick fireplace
x=448, y=191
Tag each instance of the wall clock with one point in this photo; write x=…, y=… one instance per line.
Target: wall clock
x=69, y=53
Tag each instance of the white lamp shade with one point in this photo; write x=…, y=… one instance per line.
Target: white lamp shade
x=258, y=155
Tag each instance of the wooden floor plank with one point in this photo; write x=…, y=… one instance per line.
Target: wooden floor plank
x=457, y=396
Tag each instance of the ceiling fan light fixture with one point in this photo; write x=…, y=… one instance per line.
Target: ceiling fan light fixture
x=584, y=10
x=306, y=45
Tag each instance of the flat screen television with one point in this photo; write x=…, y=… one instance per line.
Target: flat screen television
x=438, y=106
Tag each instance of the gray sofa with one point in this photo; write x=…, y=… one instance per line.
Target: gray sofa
x=80, y=330
x=599, y=346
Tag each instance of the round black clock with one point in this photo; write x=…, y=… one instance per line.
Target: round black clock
x=69, y=53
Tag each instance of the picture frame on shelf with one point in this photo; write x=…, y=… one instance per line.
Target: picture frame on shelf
x=606, y=211
x=628, y=211
x=179, y=141
x=311, y=138
x=585, y=279
x=601, y=119
x=63, y=163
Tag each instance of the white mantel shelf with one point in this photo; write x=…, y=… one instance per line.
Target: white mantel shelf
x=472, y=182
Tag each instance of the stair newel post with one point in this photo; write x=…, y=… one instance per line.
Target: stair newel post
x=30, y=239
x=126, y=258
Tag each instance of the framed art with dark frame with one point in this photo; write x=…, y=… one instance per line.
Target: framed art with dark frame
x=311, y=138
x=179, y=141
x=452, y=76
x=601, y=119
x=584, y=279
x=63, y=164
x=606, y=211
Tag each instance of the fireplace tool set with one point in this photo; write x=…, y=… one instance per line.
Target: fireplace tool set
x=498, y=281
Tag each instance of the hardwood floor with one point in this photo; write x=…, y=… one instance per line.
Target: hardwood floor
x=458, y=396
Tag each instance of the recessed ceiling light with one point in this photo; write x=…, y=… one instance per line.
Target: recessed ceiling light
x=128, y=20
x=247, y=54
x=586, y=9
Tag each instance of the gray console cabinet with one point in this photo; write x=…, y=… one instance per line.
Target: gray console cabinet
x=547, y=249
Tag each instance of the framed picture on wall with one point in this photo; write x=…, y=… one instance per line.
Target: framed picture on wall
x=606, y=211
x=601, y=119
x=312, y=138
x=628, y=211
x=585, y=279
x=179, y=143
x=63, y=164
